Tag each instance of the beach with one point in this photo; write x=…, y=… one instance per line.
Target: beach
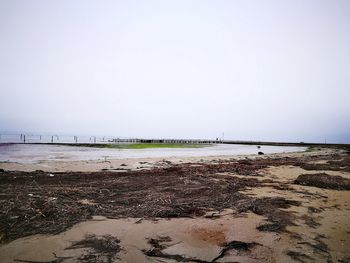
x=278, y=207
x=175, y=131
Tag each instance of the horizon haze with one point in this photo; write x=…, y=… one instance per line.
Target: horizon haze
x=253, y=70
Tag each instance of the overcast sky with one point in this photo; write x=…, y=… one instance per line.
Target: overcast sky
x=255, y=70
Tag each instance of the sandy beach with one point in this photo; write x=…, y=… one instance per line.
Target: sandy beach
x=175, y=131
x=285, y=207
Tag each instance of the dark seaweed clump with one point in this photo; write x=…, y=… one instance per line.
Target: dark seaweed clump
x=323, y=180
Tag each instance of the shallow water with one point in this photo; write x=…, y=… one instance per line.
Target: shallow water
x=29, y=153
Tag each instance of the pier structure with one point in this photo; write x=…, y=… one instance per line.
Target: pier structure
x=179, y=141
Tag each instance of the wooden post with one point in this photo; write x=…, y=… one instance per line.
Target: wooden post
x=24, y=139
x=51, y=139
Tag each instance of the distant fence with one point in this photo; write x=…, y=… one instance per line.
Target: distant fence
x=181, y=141
x=34, y=138
x=64, y=139
x=60, y=139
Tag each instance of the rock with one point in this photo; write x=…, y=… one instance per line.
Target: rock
x=260, y=153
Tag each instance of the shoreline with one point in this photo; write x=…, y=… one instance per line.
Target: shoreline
x=67, y=159
x=189, y=141
x=131, y=164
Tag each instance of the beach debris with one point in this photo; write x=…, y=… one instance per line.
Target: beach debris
x=335, y=164
x=86, y=202
x=312, y=209
x=157, y=242
x=310, y=221
x=260, y=153
x=300, y=257
x=269, y=227
x=56, y=260
x=100, y=248
x=139, y=221
x=268, y=206
x=157, y=245
x=235, y=245
x=212, y=215
x=318, y=245
x=323, y=180
x=180, y=190
x=345, y=259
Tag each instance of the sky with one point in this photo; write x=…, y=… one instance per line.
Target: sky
x=253, y=70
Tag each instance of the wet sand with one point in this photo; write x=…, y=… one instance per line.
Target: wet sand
x=43, y=153
x=198, y=238
x=117, y=165
x=260, y=214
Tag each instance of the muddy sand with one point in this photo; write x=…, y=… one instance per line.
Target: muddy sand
x=291, y=207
